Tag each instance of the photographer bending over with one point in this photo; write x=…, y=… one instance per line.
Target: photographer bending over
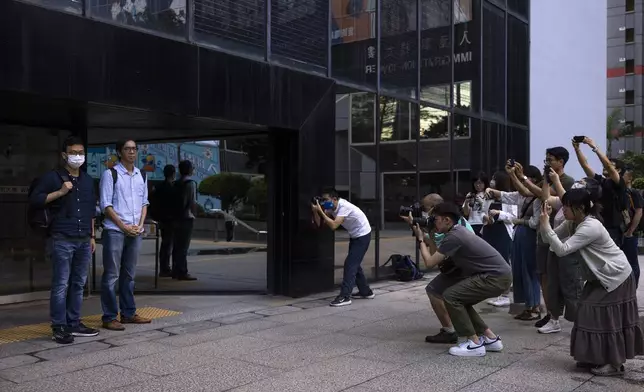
x=478, y=272
x=338, y=212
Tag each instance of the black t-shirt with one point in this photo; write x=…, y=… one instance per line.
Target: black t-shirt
x=613, y=201
x=636, y=201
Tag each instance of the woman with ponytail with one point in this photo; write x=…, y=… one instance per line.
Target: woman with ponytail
x=606, y=331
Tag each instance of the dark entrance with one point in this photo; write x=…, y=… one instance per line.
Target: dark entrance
x=89, y=84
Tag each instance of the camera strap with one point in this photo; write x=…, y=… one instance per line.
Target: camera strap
x=525, y=208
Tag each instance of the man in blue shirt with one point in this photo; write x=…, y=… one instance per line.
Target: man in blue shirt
x=124, y=201
x=68, y=194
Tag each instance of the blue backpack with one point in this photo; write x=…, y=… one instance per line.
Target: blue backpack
x=404, y=268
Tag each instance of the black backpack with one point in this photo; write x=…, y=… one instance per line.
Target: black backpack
x=40, y=218
x=404, y=268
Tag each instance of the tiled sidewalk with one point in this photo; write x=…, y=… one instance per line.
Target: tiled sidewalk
x=259, y=343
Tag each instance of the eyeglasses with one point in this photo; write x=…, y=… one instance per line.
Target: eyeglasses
x=76, y=153
x=130, y=149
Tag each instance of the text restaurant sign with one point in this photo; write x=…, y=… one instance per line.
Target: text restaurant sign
x=399, y=63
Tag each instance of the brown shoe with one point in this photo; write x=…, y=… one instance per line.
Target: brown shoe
x=113, y=325
x=136, y=319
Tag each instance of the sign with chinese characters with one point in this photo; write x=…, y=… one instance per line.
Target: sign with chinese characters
x=399, y=61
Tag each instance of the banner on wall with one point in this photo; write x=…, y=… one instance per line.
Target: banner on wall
x=152, y=158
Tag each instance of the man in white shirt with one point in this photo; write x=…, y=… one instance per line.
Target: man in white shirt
x=336, y=212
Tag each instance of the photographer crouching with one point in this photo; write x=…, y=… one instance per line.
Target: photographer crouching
x=471, y=272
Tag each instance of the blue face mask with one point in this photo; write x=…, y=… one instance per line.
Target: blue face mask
x=327, y=205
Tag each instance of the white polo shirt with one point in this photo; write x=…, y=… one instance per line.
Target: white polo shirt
x=355, y=221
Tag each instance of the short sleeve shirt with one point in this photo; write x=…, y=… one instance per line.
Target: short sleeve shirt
x=472, y=254
x=355, y=221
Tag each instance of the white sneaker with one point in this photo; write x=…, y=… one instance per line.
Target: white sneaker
x=552, y=326
x=468, y=349
x=495, y=345
x=500, y=301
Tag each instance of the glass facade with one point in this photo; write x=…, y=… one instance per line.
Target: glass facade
x=428, y=92
x=432, y=93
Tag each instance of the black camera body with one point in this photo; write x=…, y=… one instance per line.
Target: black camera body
x=425, y=222
x=512, y=162
x=317, y=200
x=579, y=139
x=415, y=209
x=546, y=173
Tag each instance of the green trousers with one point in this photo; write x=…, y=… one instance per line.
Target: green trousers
x=462, y=296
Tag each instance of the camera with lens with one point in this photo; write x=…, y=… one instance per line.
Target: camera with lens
x=415, y=209
x=546, y=173
x=425, y=222
x=317, y=200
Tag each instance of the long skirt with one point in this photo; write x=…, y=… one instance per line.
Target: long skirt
x=525, y=278
x=607, y=329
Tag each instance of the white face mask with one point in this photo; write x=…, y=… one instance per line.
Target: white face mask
x=75, y=161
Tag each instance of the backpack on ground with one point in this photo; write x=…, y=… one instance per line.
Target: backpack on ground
x=404, y=268
x=40, y=218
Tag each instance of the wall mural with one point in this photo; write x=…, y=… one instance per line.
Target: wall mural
x=152, y=158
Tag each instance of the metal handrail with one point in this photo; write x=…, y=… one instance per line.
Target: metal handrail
x=214, y=211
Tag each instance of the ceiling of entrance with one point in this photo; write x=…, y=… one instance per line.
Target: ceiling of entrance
x=106, y=124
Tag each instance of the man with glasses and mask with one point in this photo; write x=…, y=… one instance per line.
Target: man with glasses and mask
x=124, y=201
x=68, y=194
x=440, y=283
x=335, y=212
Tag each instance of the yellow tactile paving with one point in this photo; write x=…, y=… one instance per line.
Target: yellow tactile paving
x=34, y=331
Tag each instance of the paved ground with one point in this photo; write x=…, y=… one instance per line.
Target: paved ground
x=263, y=343
x=246, y=271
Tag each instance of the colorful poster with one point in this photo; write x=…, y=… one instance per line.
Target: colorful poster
x=152, y=158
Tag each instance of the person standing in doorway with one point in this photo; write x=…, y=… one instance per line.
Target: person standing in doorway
x=69, y=195
x=161, y=208
x=336, y=212
x=124, y=201
x=186, y=208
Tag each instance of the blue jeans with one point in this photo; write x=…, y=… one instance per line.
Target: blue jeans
x=353, y=274
x=629, y=246
x=70, y=260
x=524, y=267
x=120, y=255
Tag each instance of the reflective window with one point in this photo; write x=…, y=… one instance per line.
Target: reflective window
x=521, y=7
x=299, y=30
x=71, y=6
x=397, y=120
x=362, y=117
x=434, y=123
x=518, y=88
x=493, y=59
x=435, y=49
x=165, y=16
x=353, y=41
x=399, y=47
x=233, y=24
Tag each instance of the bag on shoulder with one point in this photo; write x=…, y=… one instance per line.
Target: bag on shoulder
x=404, y=268
x=40, y=218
